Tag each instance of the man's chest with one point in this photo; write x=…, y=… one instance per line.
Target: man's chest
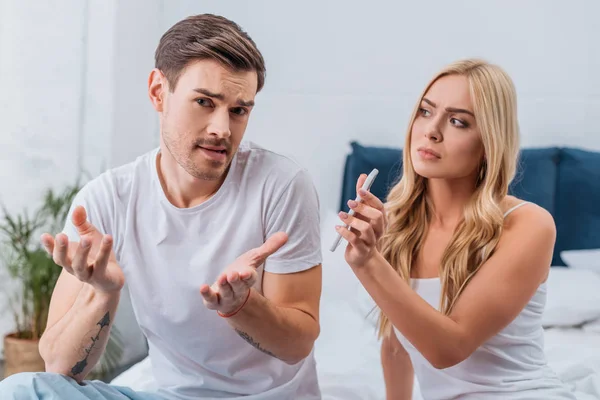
x=165, y=270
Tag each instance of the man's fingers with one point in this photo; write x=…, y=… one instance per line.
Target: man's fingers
x=79, y=218
x=81, y=268
x=273, y=243
x=225, y=288
x=237, y=284
x=211, y=299
x=249, y=277
x=48, y=243
x=61, y=247
x=104, y=252
x=222, y=279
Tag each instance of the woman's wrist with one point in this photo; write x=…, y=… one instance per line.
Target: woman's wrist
x=371, y=263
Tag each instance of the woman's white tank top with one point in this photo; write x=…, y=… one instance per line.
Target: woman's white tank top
x=510, y=365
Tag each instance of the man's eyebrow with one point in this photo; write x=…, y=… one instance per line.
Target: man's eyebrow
x=220, y=96
x=208, y=93
x=246, y=103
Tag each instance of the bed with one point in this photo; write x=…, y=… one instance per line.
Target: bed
x=564, y=181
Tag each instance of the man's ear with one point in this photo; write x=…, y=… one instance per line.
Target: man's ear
x=157, y=89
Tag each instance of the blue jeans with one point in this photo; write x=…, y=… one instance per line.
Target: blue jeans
x=49, y=386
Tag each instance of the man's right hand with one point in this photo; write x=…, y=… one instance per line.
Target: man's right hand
x=92, y=260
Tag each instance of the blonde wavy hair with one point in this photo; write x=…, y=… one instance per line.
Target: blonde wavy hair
x=476, y=236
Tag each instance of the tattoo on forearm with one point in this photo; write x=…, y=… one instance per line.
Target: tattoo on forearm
x=255, y=344
x=80, y=366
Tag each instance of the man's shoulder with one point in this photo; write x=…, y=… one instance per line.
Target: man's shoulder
x=261, y=161
x=117, y=181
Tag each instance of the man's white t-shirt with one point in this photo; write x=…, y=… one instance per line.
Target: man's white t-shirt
x=167, y=253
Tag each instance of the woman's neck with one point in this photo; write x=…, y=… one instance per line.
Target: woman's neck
x=448, y=198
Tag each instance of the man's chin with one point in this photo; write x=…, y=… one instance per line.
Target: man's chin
x=210, y=171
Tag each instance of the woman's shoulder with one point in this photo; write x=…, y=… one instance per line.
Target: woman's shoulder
x=529, y=233
x=523, y=217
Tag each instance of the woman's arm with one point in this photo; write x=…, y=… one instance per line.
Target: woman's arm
x=398, y=371
x=494, y=297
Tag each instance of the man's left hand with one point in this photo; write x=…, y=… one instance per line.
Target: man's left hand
x=231, y=289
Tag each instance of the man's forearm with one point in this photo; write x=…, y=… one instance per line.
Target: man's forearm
x=282, y=332
x=74, y=344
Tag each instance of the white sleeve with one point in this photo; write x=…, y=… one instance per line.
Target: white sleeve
x=297, y=214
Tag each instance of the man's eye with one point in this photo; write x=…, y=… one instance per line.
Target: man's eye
x=239, y=111
x=204, y=102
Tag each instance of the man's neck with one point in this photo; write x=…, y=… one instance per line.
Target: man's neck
x=182, y=189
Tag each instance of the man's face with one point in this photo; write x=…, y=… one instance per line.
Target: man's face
x=204, y=119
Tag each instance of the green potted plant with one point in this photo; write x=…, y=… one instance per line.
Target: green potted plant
x=36, y=274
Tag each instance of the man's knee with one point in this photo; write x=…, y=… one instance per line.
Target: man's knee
x=18, y=386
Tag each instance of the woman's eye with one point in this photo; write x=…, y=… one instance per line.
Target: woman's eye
x=458, y=123
x=424, y=112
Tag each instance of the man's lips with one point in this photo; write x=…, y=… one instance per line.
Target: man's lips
x=219, y=149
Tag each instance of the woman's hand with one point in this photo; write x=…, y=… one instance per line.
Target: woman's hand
x=368, y=225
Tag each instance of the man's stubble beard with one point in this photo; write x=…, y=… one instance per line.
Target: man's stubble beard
x=186, y=161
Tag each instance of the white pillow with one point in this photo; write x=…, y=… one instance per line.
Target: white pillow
x=573, y=297
x=582, y=259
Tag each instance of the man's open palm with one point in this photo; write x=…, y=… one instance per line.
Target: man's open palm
x=231, y=288
x=92, y=260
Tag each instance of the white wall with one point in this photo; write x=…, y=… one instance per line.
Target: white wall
x=73, y=78
x=57, y=78
x=341, y=71
x=138, y=31
x=40, y=105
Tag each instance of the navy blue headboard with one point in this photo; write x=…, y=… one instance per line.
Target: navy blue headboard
x=565, y=181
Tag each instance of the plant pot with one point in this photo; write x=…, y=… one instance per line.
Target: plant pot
x=21, y=355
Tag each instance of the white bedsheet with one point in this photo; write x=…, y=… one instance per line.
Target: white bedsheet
x=574, y=354
x=347, y=351
x=349, y=365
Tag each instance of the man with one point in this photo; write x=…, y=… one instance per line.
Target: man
x=204, y=209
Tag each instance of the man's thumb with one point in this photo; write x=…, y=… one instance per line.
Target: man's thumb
x=272, y=244
x=84, y=227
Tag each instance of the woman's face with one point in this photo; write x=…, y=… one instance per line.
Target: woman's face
x=445, y=139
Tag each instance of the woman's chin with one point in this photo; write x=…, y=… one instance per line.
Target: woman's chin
x=430, y=173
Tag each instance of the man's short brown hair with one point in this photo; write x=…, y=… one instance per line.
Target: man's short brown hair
x=207, y=36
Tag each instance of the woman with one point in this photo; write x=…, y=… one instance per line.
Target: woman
x=456, y=265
